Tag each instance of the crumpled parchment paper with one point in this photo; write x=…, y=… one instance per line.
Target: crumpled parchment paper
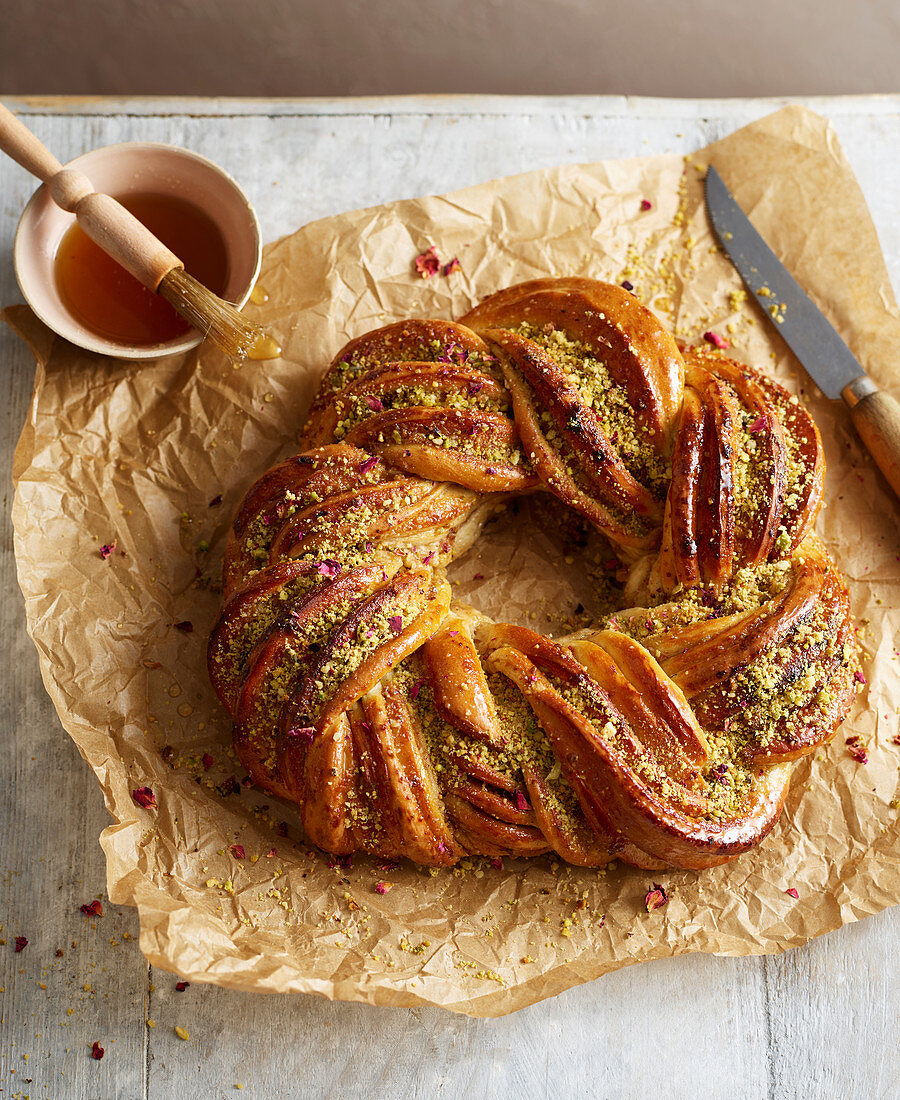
x=139, y=456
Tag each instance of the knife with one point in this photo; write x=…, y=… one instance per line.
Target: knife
x=822, y=353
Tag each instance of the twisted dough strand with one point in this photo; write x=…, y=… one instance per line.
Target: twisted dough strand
x=405, y=725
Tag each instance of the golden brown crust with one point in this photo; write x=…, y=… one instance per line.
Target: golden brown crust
x=747, y=474
x=405, y=726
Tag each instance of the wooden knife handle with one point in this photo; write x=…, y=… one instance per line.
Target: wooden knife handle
x=876, y=417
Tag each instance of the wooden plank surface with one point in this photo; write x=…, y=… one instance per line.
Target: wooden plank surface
x=821, y=1020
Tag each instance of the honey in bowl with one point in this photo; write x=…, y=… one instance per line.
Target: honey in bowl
x=112, y=303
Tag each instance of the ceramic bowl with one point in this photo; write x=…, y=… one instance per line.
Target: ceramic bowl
x=121, y=170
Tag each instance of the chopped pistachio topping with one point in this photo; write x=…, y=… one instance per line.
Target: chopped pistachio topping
x=610, y=402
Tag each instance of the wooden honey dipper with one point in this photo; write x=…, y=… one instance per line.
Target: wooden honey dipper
x=119, y=233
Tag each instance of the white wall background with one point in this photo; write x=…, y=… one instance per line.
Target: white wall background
x=366, y=47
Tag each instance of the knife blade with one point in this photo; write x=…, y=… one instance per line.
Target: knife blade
x=805, y=329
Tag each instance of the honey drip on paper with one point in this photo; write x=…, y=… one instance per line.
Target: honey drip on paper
x=109, y=301
x=265, y=348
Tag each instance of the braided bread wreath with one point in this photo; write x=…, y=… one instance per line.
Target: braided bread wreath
x=403, y=724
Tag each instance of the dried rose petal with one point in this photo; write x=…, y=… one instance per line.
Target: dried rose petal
x=180, y=987
x=442, y=847
x=474, y=387
x=496, y=862
x=716, y=340
x=388, y=864
x=328, y=568
x=207, y=761
x=230, y=786
x=303, y=733
x=451, y=266
x=395, y=622
x=186, y=625
x=427, y=263
x=859, y=678
x=521, y=802
x=237, y=850
x=759, y=424
x=646, y=204
x=626, y=285
x=859, y=754
x=415, y=689
x=374, y=403
x=107, y=549
x=368, y=464
x=92, y=909
x=382, y=887
x=656, y=897
x=478, y=577
x=345, y=861
x=449, y=352
x=21, y=944
x=272, y=852
x=792, y=890
x=97, y=1051
x=216, y=501
x=144, y=797
x=428, y=559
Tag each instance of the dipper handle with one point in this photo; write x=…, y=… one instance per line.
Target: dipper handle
x=105, y=221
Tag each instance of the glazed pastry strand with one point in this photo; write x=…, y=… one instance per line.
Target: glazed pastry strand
x=403, y=724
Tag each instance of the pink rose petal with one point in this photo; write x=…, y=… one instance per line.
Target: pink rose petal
x=427, y=263
x=303, y=733
x=656, y=897
x=144, y=797
x=716, y=340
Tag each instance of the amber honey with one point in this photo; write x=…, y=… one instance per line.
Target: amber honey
x=112, y=303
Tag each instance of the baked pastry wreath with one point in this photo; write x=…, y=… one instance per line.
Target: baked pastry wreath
x=404, y=724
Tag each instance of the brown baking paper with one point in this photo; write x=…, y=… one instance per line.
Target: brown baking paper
x=133, y=454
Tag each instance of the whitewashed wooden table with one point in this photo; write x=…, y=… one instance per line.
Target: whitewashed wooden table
x=821, y=1020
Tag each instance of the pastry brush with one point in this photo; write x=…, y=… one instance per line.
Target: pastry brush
x=119, y=233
